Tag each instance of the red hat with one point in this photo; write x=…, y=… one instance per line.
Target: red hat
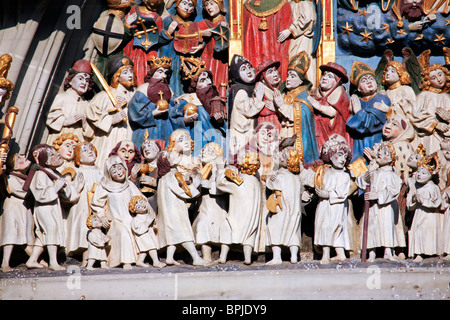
x=336, y=69
x=81, y=66
x=266, y=64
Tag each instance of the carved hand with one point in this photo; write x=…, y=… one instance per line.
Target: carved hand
x=283, y=35
x=259, y=91
x=444, y=114
x=322, y=193
x=119, y=116
x=277, y=98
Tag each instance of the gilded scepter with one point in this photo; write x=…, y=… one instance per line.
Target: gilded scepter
x=107, y=88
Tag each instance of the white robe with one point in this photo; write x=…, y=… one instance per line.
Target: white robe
x=142, y=226
x=16, y=221
x=80, y=211
x=445, y=239
x=96, y=245
x=174, y=226
x=66, y=104
x=284, y=227
x=107, y=134
x=425, y=232
x=242, y=223
x=114, y=206
x=383, y=211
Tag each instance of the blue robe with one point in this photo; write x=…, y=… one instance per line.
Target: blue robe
x=141, y=119
x=365, y=127
x=309, y=141
x=202, y=131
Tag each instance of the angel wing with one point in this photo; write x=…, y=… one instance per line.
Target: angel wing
x=388, y=56
x=413, y=67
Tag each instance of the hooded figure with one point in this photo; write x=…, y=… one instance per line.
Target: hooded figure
x=110, y=203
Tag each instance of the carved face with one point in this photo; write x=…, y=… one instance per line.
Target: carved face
x=208, y=154
x=54, y=159
x=149, y=150
x=272, y=76
x=66, y=149
x=423, y=175
x=141, y=206
x=383, y=157
x=367, y=85
x=327, y=80
x=266, y=137
x=293, y=80
x=96, y=222
x=185, y=8
x=203, y=80
x=247, y=73
x=87, y=154
x=437, y=79
x=21, y=163
x=391, y=75
x=413, y=160
x=126, y=151
x=118, y=172
x=126, y=75
x=392, y=129
x=160, y=73
x=80, y=83
x=212, y=8
x=339, y=159
x=183, y=144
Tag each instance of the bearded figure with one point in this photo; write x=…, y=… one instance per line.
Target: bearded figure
x=110, y=119
x=150, y=109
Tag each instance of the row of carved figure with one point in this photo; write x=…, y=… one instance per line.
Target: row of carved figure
x=175, y=200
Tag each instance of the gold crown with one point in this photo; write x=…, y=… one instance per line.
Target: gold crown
x=191, y=67
x=431, y=163
x=159, y=62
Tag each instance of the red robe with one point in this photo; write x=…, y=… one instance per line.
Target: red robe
x=218, y=67
x=137, y=54
x=261, y=45
x=325, y=126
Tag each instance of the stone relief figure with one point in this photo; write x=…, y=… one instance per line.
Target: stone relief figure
x=331, y=103
x=368, y=108
x=214, y=203
x=48, y=189
x=178, y=187
x=181, y=37
x=432, y=101
x=84, y=156
x=385, y=185
x=68, y=112
x=332, y=186
x=445, y=239
x=425, y=199
x=264, y=20
x=145, y=25
x=245, y=101
x=297, y=115
x=143, y=226
x=201, y=111
x=97, y=243
x=132, y=156
x=241, y=227
x=444, y=160
x=215, y=53
x=301, y=33
x=150, y=109
x=267, y=73
x=65, y=145
x=110, y=203
x=16, y=224
x=284, y=224
x=107, y=111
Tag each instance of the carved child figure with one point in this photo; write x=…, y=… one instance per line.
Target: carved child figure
x=385, y=186
x=242, y=222
x=143, y=226
x=425, y=200
x=284, y=225
x=212, y=211
x=16, y=223
x=97, y=242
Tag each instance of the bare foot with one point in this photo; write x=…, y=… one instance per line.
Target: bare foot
x=418, y=259
x=324, y=261
x=172, y=262
x=248, y=261
x=103, y=265
x=159, y=264
x=142, y=264
x=447, y=257
x=200, y=262
x=221, y=261
x=43, y=263
x=273, y=262
x=34, y=265
x=127, y=266
x=6, y=269
x=83, y=264
x=56, y=267
x=90, y=268
x=338, y=259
